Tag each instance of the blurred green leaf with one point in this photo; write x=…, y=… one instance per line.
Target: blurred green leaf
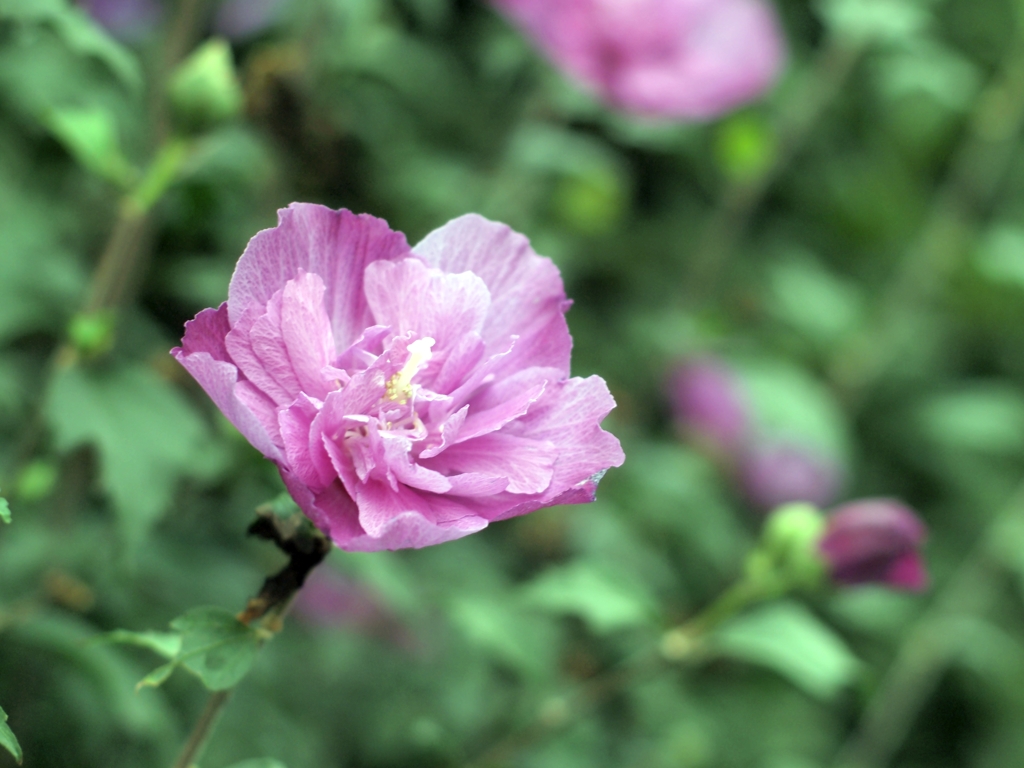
x=789, y=404
x=5, y=510
x=605, y=601
x=166, y=644
x=259, y=762
x=80, y=33
x=215, y=646
x=982, y=417
x=503, y=630
x=790, y=640
x=90, y=135
x=875, y=20
x=928, y=67
x=1000, y=255
x=7, y=738
x=814, y=301
x=148, y=436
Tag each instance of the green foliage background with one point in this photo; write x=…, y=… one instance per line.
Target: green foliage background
x=854, y=241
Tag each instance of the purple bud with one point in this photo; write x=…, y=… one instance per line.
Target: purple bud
x=125, y=19
x=780, y=473
x=241, y=19
x=707, y=402
x=875, y=541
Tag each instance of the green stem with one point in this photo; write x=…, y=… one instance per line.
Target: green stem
x=203, y=728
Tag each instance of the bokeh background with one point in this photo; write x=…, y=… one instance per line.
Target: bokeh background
x=849, y=247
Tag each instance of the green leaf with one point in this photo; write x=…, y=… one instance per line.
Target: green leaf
x=874, y=20
x=502, y=630
x=1000, y=256
x=7, y=738
x=789, y=639
x=158, y=676
x=166, y=644
x=80, y=33
x=5, y=510
x=815, y=302
x=147, y=435
x=216, y=646
x=791, y=405
x=605, y=601
x=90, y=135
x=987, y=418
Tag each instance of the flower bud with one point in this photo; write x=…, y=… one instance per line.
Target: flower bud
x=875, y=541
x=779, y=473
x=787, y=555
x=204, y=90
x=707, y=403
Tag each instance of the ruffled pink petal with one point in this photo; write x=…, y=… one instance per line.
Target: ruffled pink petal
x=527, y=463
x=448, y=433
x=331, y=510
x=481, y=422
x=296, y=426
x=293, y=340
x=203, y=354
x=336, y=245
x=569, y=416
x=527, y=297
x=394, y=520
x=408, y=295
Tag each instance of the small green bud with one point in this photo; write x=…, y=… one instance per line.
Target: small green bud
x=592, y=204
x=787, y=555
x=204, y=89
x=36, y=480
x=92, y=333
x=745, y=147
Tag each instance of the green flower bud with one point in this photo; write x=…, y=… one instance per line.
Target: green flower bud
x=204, y=89
x=788, y=555
x=92, y=333
x=745, y=147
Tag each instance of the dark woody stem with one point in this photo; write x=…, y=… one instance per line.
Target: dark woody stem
x=306, y=548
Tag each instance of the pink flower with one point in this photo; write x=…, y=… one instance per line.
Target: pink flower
x=707, y=401
x=689, y=59
x=408, y=396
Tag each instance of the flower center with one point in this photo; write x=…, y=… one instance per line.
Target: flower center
x=400, y=387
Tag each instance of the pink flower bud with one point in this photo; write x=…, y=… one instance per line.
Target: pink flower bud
x=876, y=541
x=688, y=59
x=707, y=403
x=780, y=473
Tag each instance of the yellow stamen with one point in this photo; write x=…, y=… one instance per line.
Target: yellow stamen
x=399, y=387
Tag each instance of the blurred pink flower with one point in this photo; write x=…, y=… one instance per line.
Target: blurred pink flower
x=875, y=541
x=707, y=402
x=689, y=59
x=408, y=396
x=776, y=473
